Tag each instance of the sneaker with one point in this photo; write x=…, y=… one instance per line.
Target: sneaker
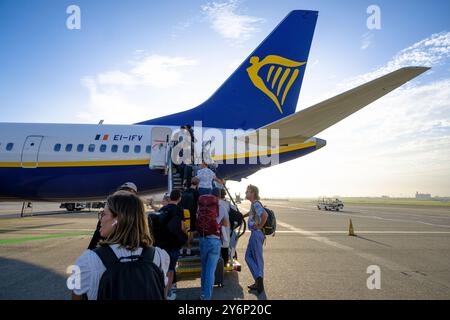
x=181, y=251
x=188, y=251
x=260, y=285
x=253, y=286
x=174, y=288
x=172, y=295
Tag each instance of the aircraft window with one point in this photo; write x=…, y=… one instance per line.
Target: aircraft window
x=69, y=147
x=9, y=146
x=114, y=148
x=103, y=148
x=57, y=147
x=148, y=149
x=126, y=148
x=80, y=147
x=137, y=149
x=91, y=148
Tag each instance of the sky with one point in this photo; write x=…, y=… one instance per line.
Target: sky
x=132, y=61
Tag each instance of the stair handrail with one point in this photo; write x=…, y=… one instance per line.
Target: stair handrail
x=169, y=167
x=240, y=232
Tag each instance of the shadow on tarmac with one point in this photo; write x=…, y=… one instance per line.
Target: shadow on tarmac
x=231, y=290
x=380, y=243
x=24, y=281
x=16, y=229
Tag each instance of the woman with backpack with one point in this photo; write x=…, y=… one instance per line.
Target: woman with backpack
x=126, y=265
x=254, y=254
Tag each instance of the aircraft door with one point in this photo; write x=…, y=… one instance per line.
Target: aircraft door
x=160, y=138
x=30, y=151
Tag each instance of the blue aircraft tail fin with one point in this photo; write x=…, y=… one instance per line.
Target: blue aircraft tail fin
x=265, y=87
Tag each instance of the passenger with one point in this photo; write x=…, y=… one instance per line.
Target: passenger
x=105, y=272
x=206, y=176
x=172, y=230
x=190, y=202
x=158, y=230
x=225, y=206
x=209, y=242
x=193, y=140
x=254, y=254
x=164, y=202
x=96, y=237
x=153, y=217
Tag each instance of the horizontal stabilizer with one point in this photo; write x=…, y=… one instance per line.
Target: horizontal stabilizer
x=308, y=122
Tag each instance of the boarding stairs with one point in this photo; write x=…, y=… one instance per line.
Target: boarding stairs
x=190, y=265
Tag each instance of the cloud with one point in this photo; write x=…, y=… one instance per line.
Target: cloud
x=126, y=96
x=160, y=71
x=155, y=71
x=366, y=40
x=397, y=145
x=408, y=130
x=433, y=51
x=228, y=23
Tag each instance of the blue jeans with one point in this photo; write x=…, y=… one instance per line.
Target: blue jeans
x=209, y=253
x=202, y=191
x=254, y=254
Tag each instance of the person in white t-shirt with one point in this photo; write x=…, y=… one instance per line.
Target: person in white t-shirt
x=124, y=225
x=225, y=206
x=206, y=176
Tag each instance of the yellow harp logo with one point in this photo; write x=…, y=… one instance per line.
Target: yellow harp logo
x=282, y=65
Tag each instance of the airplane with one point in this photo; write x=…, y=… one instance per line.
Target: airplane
x=62, y=162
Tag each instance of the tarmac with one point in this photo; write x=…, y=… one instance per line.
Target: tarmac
x=310, y=257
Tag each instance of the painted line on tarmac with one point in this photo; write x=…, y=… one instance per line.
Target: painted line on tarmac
x=287, y=207
x=396, y=220
x=359, y=232
x=367, y=256
x=432, y=216
x=46, y=229
x=89, y=231
x=372, y=217
x=53, y=236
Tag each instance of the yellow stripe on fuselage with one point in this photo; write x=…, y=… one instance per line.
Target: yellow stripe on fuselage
x=147, y=161
x=265, y=153
x=75, y=164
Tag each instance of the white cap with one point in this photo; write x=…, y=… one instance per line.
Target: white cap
x=129, y=185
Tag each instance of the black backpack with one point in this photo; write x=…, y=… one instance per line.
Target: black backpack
x=170, y=235
x=177, y=236
x=137, y=279
x=271, y=223
x=157, y=229
x=188, y=201
x=236, y=218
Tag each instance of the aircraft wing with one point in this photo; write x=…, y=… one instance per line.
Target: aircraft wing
x=308, y=122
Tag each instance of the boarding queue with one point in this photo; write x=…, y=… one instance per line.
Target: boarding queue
x=133, y=254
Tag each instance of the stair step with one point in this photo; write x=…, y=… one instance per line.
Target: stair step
x=197, y=268
x=190, y=264
x=189, y=259
x=189, y=269
x=195, y=251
